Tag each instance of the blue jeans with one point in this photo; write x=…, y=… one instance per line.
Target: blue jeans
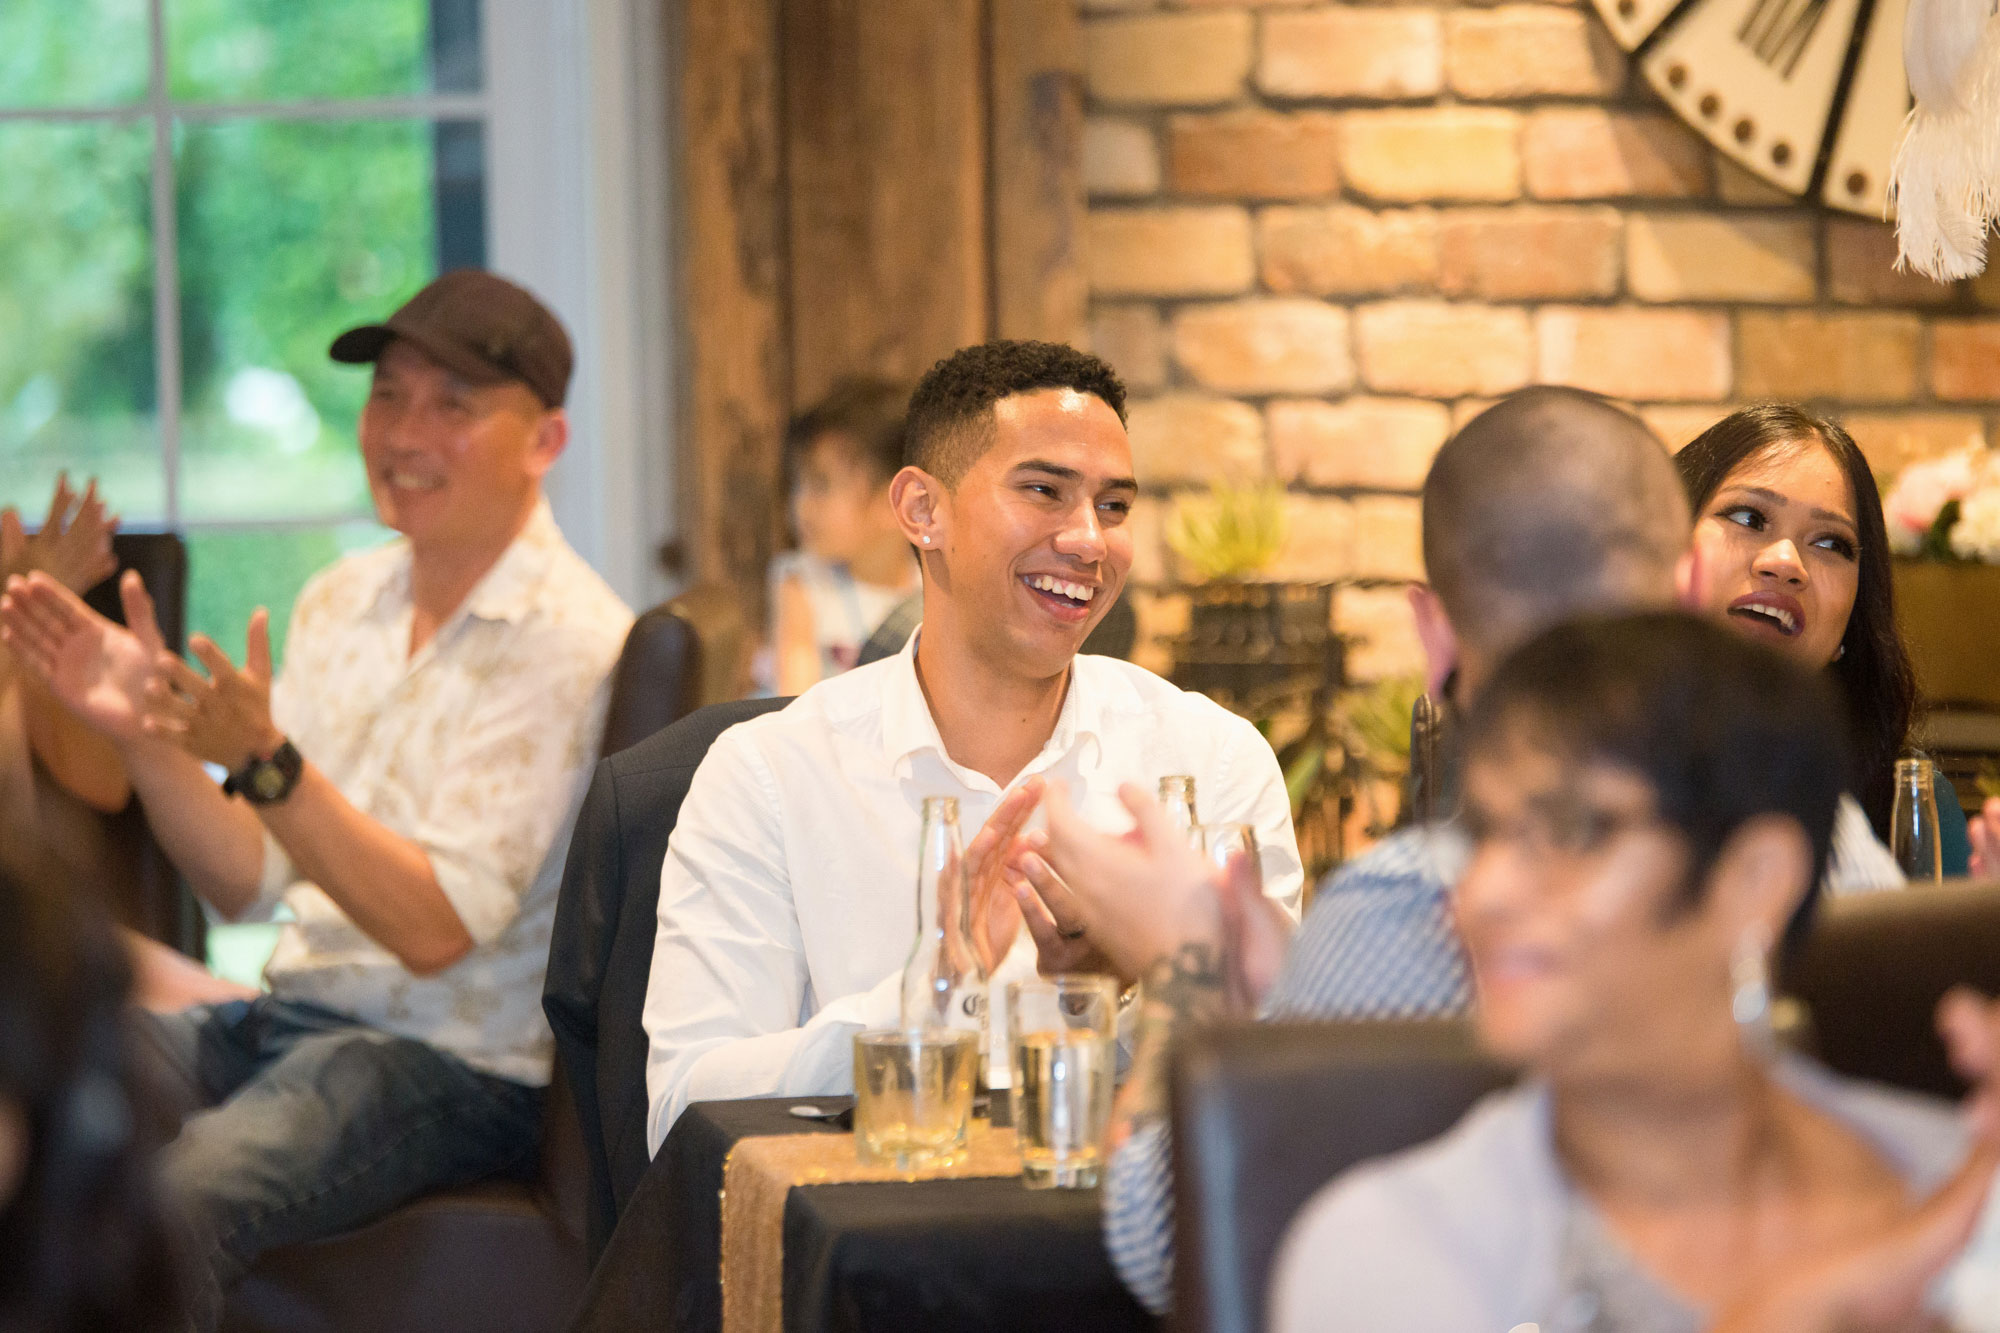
x=311, y=1123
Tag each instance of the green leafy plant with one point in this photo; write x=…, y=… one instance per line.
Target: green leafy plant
x=1231, y=533
x=1378, y=719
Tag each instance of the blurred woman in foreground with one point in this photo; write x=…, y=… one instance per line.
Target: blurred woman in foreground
x=82, y=1243
x=1650, y=802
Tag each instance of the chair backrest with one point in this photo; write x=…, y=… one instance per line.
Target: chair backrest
x=162, y=562
x=148, y=895
x=679, y=655
x=1266, y=1113
x=601, y=954
x=1874, y=968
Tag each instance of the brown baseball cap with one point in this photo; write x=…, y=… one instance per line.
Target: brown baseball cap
x=478, y=325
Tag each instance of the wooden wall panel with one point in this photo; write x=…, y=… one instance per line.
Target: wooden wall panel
x=733, y=285
x=1039, y=287
x=886, y=141
x=864, y=186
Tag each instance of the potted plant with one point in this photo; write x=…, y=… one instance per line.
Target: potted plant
x=1247, y=635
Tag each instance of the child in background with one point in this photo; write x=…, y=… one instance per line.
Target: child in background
x=853, y=565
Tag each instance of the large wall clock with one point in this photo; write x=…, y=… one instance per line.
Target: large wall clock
x=1807, y=94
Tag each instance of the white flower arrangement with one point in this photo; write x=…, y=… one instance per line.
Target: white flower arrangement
x=1976, y=535
x=1947, y=508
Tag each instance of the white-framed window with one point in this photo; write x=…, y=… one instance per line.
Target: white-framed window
x=198, y=194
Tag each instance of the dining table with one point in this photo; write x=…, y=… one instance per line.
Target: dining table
x=959, y=1255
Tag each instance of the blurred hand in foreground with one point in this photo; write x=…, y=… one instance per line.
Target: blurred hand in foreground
x=1881, y=1282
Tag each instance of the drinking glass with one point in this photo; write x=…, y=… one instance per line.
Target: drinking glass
x=913, y=1095
x=1913, y=822
x=1219, y=842
x=1065, y=1054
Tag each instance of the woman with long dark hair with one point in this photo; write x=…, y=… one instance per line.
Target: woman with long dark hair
x=83, y=1244
x=1790, y=548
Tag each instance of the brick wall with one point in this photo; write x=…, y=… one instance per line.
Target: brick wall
x=1320, y=235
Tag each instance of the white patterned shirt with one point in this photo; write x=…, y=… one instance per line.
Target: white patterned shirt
x=1378, y=943
x=788, y=894
x=477, y=748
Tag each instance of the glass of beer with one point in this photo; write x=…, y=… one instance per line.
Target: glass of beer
x=1065, y=1054
x=913, y=1095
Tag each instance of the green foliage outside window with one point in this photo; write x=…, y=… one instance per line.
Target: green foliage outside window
x=287, y=231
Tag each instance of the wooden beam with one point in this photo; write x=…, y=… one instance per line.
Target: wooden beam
x=886, y=139
x=734, y=286
x=1039, y=285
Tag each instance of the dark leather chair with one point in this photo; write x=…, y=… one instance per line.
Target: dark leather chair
x=602, y=953
x=145, y=889
x=1874, y=969
x=680, y=656
x=1266, y=1113
x=502, y=1254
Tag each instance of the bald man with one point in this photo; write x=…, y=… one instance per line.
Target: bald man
x=1550, y=504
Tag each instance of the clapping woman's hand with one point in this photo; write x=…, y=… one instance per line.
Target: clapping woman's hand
x=1880, y=1283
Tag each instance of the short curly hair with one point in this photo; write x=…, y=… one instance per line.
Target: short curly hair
x=951, y=413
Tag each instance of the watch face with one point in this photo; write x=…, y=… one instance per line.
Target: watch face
x=268, y=780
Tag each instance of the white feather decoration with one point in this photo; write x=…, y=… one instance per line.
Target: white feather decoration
x=1945, y=180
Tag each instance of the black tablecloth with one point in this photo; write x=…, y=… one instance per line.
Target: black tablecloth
x=944, y=1255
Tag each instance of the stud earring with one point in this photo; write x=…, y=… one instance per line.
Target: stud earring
x=1840, y=652
x=927, y=541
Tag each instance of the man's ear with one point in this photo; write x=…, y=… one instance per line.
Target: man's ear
x=1687, y=580
x=921, y=506
x=1435, y=633
x=1760, y=877
x=551, y=438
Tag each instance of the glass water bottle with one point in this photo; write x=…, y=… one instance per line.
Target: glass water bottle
x=1913, y=822
x=944, y=985
x=1177, y=795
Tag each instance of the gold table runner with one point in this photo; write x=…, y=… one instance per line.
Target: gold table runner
x=760, y=1173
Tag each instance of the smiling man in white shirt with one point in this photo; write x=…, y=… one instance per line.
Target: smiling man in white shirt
x=787, y=899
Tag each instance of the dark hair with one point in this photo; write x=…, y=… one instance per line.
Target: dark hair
x=1550, y=503
x=951, y=412
x=1721, y=729
x=1878, y=686
x=864, y=410
x=83, y=1243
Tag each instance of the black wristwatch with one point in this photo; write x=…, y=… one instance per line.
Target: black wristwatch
x=267, y=781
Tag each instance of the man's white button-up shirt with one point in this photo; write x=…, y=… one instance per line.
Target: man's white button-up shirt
x=788, y=895
x=477, y=749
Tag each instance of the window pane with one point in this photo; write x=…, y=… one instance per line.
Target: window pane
x=231, y=574
x=72, y=52
x=290, y=232
x=281, y=50
x=76, y=296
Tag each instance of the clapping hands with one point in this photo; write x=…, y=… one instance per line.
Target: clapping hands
x=226, y=718
x=1094, y=901
x=98, y=670
x=125, y=683
x=74, y=543
x=1881, y=1281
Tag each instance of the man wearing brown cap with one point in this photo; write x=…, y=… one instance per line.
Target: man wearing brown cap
x=405, y=787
